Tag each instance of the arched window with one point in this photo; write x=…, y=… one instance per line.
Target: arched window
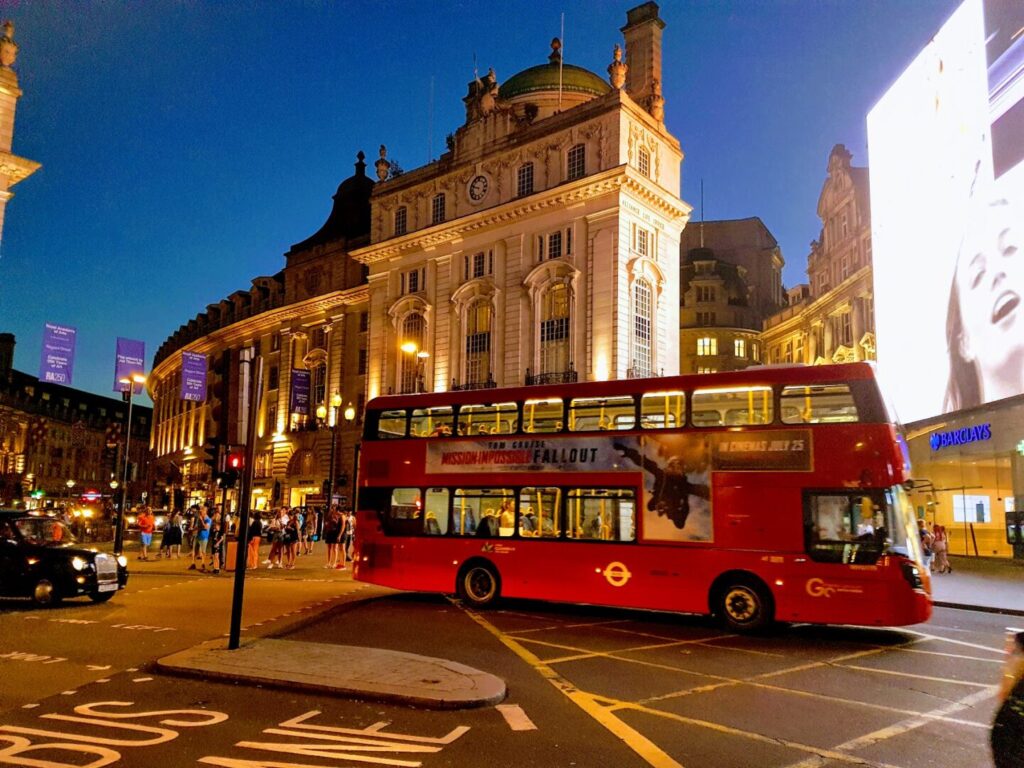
x=479, y=320
x=401, y=221
x=641, y=338
x=410, y=347
x=576, y=162
x=554, y=330
x=524, y=180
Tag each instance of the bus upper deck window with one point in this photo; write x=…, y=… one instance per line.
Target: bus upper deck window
x=391, y=424
x=663, y=410
x=488, y=419
x=734, y=407
x=543, y=415
x=818, y=404
x=592, y=414
x=436, y=421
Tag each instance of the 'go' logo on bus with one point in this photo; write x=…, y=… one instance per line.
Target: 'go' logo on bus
x=818, y=588
x=617, y=574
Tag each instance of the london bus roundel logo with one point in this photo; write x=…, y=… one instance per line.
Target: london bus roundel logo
x=617, y=574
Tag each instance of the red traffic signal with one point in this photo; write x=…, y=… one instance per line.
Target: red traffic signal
x=236, y=460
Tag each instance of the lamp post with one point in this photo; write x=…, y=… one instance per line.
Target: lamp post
x=135, y=378
x=350, y=416
x=70, y=484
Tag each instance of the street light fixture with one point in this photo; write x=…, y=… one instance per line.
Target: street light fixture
x=131, y=381
x=70, y=484
x=331, y=416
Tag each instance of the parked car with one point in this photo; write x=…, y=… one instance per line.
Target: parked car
x=1008, y=728
x=41, y=558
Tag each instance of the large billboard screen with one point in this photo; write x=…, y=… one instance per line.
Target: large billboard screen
x=946, y=149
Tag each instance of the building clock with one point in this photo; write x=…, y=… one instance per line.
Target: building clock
x=478, y=187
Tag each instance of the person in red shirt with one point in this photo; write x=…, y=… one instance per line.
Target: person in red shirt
x=146, y=525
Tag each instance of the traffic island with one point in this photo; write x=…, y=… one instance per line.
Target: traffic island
x=341, y=670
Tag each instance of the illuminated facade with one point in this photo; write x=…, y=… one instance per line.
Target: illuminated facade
x=12, y=168
x=543, y=245
x=833, y=320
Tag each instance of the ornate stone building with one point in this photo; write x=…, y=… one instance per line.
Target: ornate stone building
x=730, y=281
x=309, y=317
x=543, y=245
x=832, y=318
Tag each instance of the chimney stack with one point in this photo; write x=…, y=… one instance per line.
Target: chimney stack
x=6, y=354
x=643, y=54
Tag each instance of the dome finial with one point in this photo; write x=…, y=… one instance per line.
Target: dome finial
x=617, y=69
x=360, y=165
x=556, y=51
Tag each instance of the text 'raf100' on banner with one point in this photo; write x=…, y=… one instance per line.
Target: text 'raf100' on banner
x=131, y=361
x=193, y=377
x=300, y=392
x=58, y=357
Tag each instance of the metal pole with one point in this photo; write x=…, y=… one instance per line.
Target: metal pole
x=330, y=472
x=245, y=492
x=119, y=533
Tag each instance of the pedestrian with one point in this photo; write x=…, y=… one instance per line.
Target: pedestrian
x=348, y=536
x=309, y=531
x=292, y=535
x=146, y=525
x=203, y=522
x=276, y=530
x=940, y=548
x=927, y=539
x=333, y=524
x=172, y=535
x=252, y=559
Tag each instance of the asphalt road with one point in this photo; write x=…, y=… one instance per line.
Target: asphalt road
x=587, y=686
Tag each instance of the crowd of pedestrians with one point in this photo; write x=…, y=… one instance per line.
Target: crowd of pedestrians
x=203, y=532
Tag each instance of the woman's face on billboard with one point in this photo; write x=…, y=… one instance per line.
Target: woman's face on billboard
x=990, y=281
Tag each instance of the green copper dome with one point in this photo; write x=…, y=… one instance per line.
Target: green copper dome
x=544, y=77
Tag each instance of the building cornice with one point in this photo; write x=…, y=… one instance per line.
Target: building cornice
x=17, y=168
x=596, y=185
x=250, y=327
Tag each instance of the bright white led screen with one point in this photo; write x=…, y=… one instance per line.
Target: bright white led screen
x=946, y=149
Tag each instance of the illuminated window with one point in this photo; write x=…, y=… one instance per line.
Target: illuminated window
x=731, y=407
x=319, y=383
x=642, y=241
x=707, y=345
x=413, y=328
x=740, y=347
x=478, y=342
x=414, y=280
x=662, y=410
x=576, y=162
x=401, y=221
x=554, y=330
x=643, y=321
x=524, y=180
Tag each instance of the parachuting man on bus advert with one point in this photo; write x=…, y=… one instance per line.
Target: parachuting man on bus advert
x=672, y=490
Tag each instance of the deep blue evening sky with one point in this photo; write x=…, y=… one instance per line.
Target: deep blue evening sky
x=185, y=146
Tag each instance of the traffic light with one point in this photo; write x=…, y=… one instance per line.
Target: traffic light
x=232, y=469
x=214, y=458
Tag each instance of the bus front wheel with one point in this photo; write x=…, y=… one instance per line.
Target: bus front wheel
x=478, y=584
x=744, y=604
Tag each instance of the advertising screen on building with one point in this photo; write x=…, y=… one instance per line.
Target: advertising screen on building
x=946, y=148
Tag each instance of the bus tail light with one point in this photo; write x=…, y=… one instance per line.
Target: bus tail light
x=911, y=574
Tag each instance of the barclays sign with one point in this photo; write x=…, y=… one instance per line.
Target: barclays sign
x=976, y=434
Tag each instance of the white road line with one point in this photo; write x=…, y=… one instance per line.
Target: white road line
x=68, y=693
x=142, y=679
x=516, y=718
x=29, y=706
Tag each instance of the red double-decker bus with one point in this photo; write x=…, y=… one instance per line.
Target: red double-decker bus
x=773, y=493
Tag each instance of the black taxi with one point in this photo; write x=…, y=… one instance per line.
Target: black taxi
x=40, y=558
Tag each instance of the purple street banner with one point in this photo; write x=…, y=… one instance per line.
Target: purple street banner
x=193, y=377
x=300, y=392
x=131, y=360
x=58, y=357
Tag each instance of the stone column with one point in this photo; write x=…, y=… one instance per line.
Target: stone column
x=857, y=323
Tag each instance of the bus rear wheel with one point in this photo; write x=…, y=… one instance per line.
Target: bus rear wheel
x=744, y=605
x=478, y=584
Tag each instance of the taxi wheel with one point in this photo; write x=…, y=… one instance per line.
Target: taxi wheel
x=478, y=584
x=744, y=605
x=44, y=593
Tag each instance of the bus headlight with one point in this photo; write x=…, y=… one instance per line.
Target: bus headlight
x=122, y=561
x=78, y=563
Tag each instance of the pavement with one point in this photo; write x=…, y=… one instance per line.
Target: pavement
x=980, y=584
